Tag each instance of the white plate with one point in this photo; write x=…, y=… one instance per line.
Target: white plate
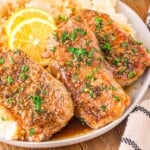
x=136, y=94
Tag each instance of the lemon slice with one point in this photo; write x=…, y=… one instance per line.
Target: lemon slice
x=24, y=14
x=28, y=30
x=31, y=36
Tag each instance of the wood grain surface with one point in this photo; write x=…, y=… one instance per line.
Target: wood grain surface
x=110, y=140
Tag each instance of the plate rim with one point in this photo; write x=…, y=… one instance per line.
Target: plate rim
x=94, y=133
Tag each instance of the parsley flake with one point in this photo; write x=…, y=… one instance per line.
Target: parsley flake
x=37, y=102
x=10, y=80
x=99, y=22
x=25, y=69
x=1, y=61
x=131, y=74
x=125, y=44
x=23, y=76
x=81, y=31
x=116, y=98
x=31, y=131
x=103, y=108
x=106, y=47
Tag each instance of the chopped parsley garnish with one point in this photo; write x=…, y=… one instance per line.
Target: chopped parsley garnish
x=10, y=80
x=87, y=84
x=55, y=35
x=117, y=60
x=17, y=51
x=68, y=63
x=126, y=61
x=131, y=74
x=90, y=57
x=62, y=18
x=100, y=58
x=90, y=54
x=116, y=98
x=53, y=49
x=89, y=61
x=81, y=31
x=72, y=36
x=78, y=52
x=139, y=43
x=18, y=90
x=31, y=131
x=82, y=120
x=25, y=69
x=106, y=37
x=1, y=61
x=2, y=118
x=134, y=50
x=9, y=100
x=95, y=70
x=64, y=37
x=103, y=87
x=112, y=88
x=125, y=44
x=103, y=108
x=106, y=47
x=23, y=76
x=91, y=93
x=99, y=22
x=37, y=102
x=91, y=74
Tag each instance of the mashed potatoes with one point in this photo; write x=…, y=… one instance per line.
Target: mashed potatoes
x=66, y=7
x=63, y=7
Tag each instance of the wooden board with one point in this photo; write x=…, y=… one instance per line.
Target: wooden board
x=110, y=140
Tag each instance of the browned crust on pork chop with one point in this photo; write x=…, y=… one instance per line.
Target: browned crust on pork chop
x=77, y=60
x=39, y=103
x=125, y=57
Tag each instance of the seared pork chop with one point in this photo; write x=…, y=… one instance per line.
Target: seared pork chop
x=37, y=103
x=125, y=57
x=77, y=60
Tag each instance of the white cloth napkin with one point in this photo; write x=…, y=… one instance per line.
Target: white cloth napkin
x=137, y=132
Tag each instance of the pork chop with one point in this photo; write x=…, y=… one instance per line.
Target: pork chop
x=77, y=60
x=125, y=57
x=33, y=104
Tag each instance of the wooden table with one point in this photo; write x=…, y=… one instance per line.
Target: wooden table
x=110, y=140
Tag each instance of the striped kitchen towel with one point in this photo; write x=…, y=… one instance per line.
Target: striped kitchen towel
x=137, y=132
x=148, y=19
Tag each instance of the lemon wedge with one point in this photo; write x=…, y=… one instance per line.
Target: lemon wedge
x=30, y=33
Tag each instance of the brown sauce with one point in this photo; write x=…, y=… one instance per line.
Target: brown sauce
x=73, y=129
x=130, y=88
